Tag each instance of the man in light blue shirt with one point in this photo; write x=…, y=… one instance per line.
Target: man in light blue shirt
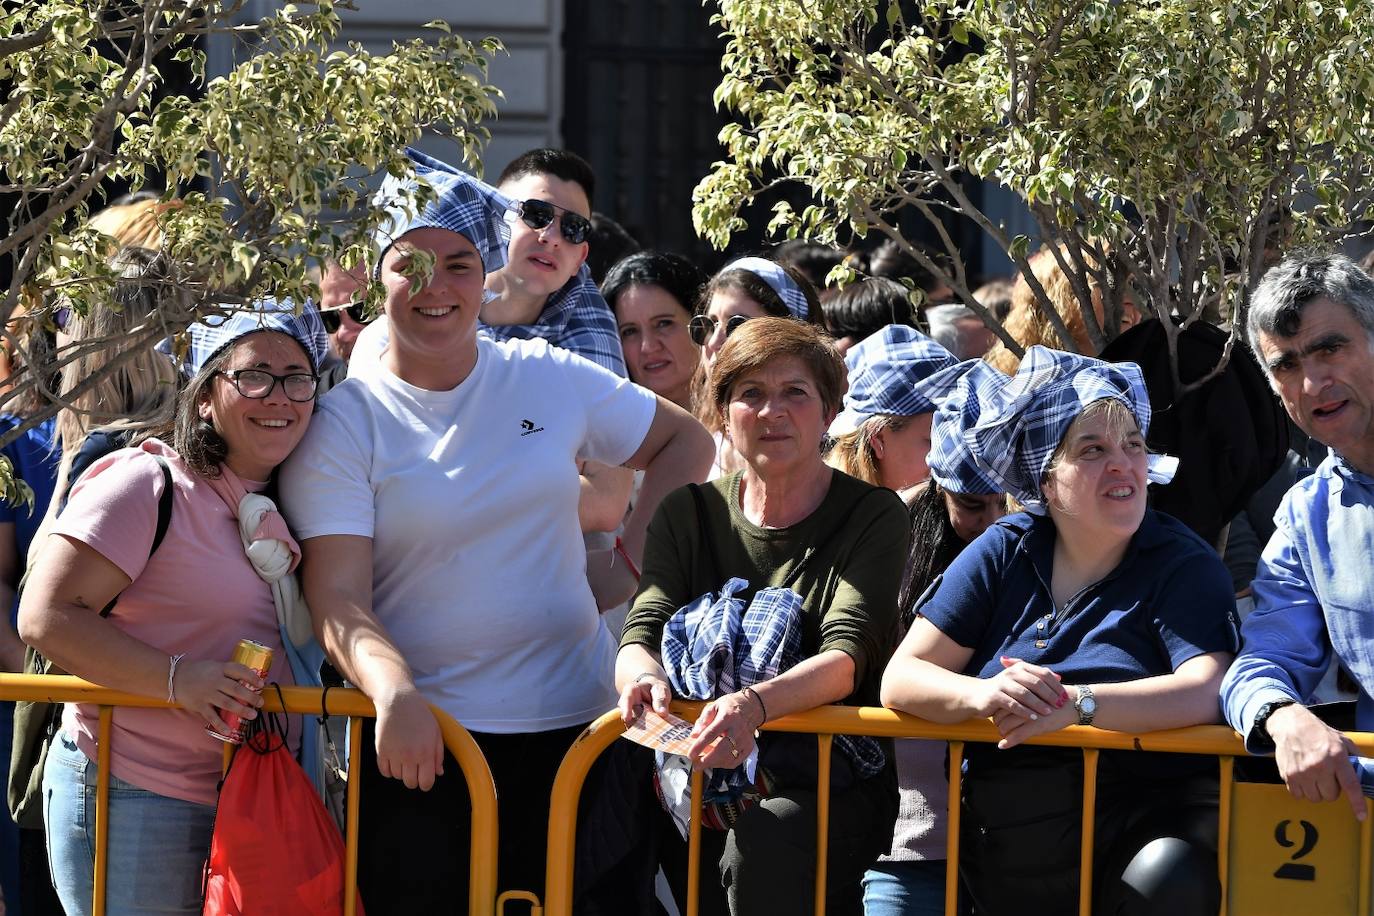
x=1311, y=323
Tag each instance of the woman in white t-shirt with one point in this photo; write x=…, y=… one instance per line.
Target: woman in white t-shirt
x=436, y=501
x=175, y=609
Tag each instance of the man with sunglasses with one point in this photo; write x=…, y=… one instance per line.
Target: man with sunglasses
x=341, y=307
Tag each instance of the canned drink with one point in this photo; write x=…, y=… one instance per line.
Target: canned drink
x=253, y=655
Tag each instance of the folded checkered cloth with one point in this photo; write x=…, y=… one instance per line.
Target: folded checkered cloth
x=716, y=646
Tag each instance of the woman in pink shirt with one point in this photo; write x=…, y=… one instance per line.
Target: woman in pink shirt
x=177, y=611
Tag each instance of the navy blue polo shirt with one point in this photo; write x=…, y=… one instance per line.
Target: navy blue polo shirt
x=1169, y=600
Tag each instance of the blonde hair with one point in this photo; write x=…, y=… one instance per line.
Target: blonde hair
x=135, y=224
x=140, y=392
x=853, y=454
x=1027, y=323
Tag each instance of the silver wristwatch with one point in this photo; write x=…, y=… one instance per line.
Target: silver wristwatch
x=1086, y=704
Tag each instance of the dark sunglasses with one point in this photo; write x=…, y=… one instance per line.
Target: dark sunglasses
x=357, y=311
x=538, y=214
x=701, y=327
x=257, y=384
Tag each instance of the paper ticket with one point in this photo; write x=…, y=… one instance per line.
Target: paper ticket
x=662, y=733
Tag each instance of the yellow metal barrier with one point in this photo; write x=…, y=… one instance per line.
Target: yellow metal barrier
x=351, y=703
x=1350, y=851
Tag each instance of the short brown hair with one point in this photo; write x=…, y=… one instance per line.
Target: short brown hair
x=759, y=341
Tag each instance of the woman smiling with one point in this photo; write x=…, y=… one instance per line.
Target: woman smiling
x=437, y=504
x=653, y=295
x=174, y=609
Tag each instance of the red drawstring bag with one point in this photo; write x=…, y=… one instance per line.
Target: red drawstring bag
x=275, y=850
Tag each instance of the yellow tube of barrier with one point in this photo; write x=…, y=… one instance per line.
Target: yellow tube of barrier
x=956, y=779
x=355, y=746
x=694, y=846
x=1227, y=781
x=823, y=744
x=520, y=896
x=1365, y=835
x=567, y=787
x=353, y=703
x=102, y=810
x=1085, y=866
x=482, y=792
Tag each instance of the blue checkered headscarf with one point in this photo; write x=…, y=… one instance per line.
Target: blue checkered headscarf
x=977, y=385
x=212, y=335
x=1019, y=430
x=463, y=204
x=897, y=371
x=778, y=280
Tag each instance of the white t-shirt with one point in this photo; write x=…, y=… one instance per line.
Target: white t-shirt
x=470, y=498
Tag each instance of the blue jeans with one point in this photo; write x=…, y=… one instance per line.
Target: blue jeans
x=158, y=845
x=905, y=889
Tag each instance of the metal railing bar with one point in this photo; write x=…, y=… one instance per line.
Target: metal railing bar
x=351, y=807
x=694, y=846
x=956, y=781
x=1085, y=864
x=1224, y=803
x=1366, y=833
x=295, y=700
x=823, y=745
x=102, y=810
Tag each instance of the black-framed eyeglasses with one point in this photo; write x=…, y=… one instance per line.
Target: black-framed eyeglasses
x=701, y=327
x=258, y=384
x=331, y=320
x=538, y=214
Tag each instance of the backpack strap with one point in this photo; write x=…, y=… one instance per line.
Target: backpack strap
x=164, y=518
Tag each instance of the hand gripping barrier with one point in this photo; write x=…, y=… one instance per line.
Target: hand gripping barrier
x=350, y=703
x=1260, y=826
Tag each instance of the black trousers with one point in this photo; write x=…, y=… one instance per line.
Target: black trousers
x=414, y=847
x=766, y=863
x=1155, y=839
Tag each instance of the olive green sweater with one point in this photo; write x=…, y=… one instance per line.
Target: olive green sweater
x=848, y=587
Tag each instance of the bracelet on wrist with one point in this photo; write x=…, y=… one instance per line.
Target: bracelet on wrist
x=753, y=694
x=171, y=677
x=642, y=675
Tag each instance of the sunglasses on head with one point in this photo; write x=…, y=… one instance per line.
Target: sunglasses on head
x=357, y=311
x=538, y=214
x=701, y=327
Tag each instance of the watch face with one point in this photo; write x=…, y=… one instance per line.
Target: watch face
x=1088, y=704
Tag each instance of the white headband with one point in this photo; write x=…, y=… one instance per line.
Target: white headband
x=786, y=288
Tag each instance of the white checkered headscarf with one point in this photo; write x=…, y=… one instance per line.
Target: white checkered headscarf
x=952, y=463
x=1019, y=430
x=897, y=371
x=214, y=334
x=464, y=204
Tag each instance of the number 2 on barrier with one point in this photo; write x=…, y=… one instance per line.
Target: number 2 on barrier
x=1291, y=870
x=1290, y=856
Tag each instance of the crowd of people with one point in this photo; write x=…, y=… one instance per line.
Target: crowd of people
x=527, y=492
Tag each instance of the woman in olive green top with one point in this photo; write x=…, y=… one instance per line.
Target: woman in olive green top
x=777, y=384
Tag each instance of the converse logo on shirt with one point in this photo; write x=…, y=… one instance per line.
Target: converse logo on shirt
x=529, y=429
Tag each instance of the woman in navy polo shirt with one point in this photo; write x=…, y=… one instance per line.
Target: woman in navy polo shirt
x=1089, y=608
